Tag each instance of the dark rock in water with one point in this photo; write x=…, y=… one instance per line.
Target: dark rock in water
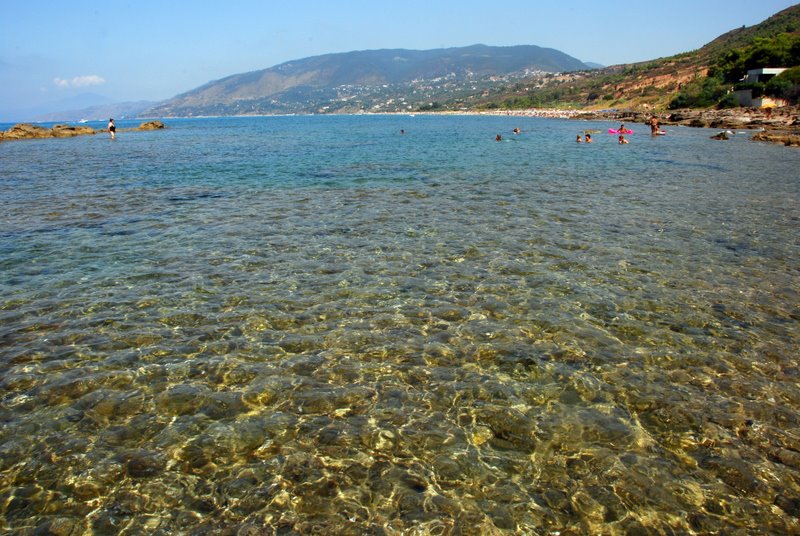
x=720, y=136
x=182, y=399
x=60, y=526
x=734, y=472
x=790, y=505
x=143, y=463
x=222, y=405
x=127, y=503
x=251, y=530
x=511, y=429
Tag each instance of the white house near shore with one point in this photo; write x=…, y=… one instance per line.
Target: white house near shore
x=763, y=74
x=745, y=96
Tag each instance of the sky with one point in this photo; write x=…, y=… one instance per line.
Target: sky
x=54, y=50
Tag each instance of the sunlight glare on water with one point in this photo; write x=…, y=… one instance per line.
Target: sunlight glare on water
x=319, y=325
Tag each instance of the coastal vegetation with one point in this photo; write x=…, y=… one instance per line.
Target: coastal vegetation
x=704, y=78
x=730, y=70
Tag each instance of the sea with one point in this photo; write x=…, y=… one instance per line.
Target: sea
x=393, y=325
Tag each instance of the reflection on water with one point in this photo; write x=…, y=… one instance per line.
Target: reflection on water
x=316, y=326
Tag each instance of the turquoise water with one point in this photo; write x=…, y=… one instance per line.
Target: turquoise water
x=319, y=325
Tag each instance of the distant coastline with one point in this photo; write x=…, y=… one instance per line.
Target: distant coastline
x=781, y=125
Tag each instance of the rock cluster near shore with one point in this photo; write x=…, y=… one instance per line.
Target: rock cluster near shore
x=785, y=138
x=150, y=125
x=780, y=125
x=731, y=118
x=26, y=131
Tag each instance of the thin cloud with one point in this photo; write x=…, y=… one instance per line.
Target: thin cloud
x=79, y=81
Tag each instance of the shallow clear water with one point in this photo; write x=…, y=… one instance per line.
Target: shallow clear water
x=317, y=325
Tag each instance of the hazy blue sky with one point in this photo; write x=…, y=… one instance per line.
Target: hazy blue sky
x=155, y=49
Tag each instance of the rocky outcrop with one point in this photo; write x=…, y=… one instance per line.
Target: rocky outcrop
x=730, y=118
x=26, y=131
x=68, y=131
x=784, y=138
x=734, y=118
x=780, y=125
x=150, y=125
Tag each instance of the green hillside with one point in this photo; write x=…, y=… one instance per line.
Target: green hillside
x=680, y=80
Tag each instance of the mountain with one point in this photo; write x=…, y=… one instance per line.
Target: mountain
x=89, y=106
x=99, y=112
x=73, y=102
x=81, y=100
x=651, y=84
x=362, y=80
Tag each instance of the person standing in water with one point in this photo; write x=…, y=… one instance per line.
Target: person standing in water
x=654, y=125
x=112, y=128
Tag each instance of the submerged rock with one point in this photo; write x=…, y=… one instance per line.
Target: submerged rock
x=143, y=463
x=184, y=399
x=61, y=526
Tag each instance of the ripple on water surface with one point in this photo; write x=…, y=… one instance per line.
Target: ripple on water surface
x=317, y=325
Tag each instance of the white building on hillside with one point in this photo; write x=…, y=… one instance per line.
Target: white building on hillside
x=745, y=96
